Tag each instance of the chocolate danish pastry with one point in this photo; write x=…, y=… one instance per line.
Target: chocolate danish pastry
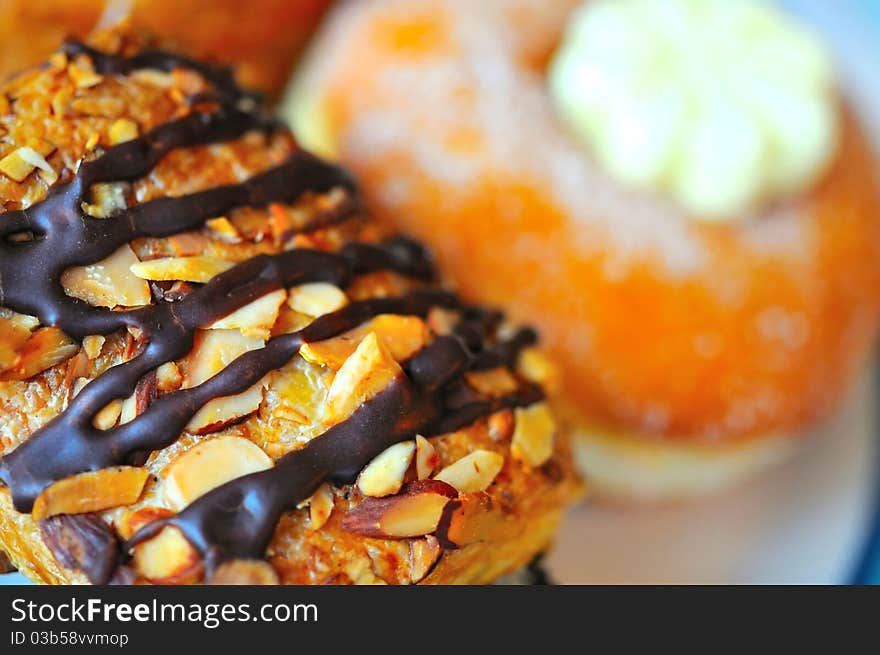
x=214, y=368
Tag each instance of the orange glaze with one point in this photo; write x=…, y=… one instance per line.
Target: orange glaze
x=763, y=336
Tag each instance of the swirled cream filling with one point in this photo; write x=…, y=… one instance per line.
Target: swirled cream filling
x=722, y=105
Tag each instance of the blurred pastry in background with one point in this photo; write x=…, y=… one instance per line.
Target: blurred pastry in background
x=676, y=192
x=262, y=39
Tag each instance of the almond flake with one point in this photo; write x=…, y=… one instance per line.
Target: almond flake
x=92, y=491
x=186, y=269
x=384, y=475
x=108, y=283
x=533, y=435
x=427, y=458
x=122, y=130
x=473, y=472
x=210, y=464
x=368, y=370
x=316, y=299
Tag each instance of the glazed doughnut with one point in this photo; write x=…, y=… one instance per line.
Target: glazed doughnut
x=262, y=42
x=706, y=312
x=214, y=368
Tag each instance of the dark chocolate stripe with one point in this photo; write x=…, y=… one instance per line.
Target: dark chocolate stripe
x=238, y=518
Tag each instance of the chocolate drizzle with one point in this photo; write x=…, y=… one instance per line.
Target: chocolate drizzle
x=238, y=518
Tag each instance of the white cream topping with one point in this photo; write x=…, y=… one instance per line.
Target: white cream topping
x=720, y=104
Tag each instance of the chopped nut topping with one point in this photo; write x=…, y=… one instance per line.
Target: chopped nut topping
x=536, y=367
x=473, y=472
x=109, y=283
x=403, y=336
x=316, y=298
x=168, y=377
x=213, y=352
x=533, y=435
x=107, y=417
x=427, y=458
x=384, y=475
x=320, y=506
x=368, y=370
x=82, y=75
x=13, y=336
x=44, y=349
x=495, y=382
x=168, y=558
x=224, y=229
x=20, y=163
x=424, y=553
x=122, y=130
x=92, y=491
x=256, y=318
x=413, y=512
x=92, y=345
x=186, y=269
x=500, y=425
x=210, y=464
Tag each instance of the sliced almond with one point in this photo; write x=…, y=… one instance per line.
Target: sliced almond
x=473, y=472
x=128, y=409
x=83, y=75
x=316, y=298
x=297, y=391
x=109, y=283
x=413, y=512
x=25, y=321
x=424, y=554
x=21, y=162
x=108, y=198
x=501, y=425
x=122, y=130
x=536, y=367
x=44, y=349
x=533, y=435
x=403, y=336
x=168, y=377
x=214, y=351
x=107, y=417
x=427, y=458
x=185, y=269
x=245, y=572
x=210, y=464
x=320, y=506
x=223, y=228
x=369, y=370
x=220, y=412
x=256, y=318
x=12, y=338
x=384, y=475
x=92, y=491
x=442, y=321
x=168, y=558
x=494, y=382
x=471, y=519
x=92, y=345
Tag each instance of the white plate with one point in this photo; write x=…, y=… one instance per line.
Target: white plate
x=804, y=522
